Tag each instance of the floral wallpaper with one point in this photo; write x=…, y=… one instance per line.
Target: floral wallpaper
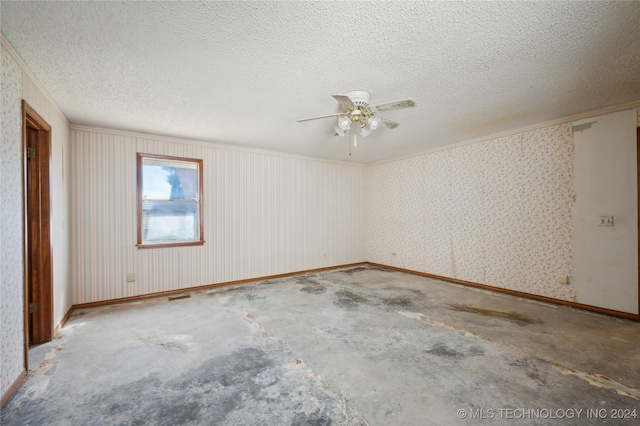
x=11, y=262
x=497, y=213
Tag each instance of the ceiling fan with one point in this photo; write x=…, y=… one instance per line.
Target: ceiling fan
x=356, y=110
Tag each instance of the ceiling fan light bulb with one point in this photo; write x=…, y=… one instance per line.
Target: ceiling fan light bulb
x=373, y=123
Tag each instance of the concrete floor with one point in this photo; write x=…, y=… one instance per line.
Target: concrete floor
x=347, y=347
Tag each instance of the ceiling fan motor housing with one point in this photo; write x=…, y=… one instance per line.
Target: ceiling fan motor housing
x=359, y=97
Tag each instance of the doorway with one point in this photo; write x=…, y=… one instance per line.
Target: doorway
x=38, y=288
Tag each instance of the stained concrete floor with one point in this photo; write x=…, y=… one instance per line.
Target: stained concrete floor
x=347, y=347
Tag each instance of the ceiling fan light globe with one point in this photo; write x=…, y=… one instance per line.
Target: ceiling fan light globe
x=365, y=132
x=339, y=131
x=373, y=123
x=344, y=123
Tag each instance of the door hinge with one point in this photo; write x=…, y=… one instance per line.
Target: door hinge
x=33, y=307
x=31, y=152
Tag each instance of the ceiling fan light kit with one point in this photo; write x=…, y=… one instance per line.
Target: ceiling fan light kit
x=357, y=110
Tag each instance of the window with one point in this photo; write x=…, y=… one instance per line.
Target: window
x=169, y=201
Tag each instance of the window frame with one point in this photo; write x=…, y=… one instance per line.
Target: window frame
x=139, y=195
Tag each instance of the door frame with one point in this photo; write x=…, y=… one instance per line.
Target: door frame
x=638, y=200
x=30, y=118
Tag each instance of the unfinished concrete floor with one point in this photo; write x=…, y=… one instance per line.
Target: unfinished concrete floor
x=352, y=346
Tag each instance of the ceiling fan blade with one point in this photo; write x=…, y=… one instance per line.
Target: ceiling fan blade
x=404, y=103
x=345, y=101
x=390, y=124
x=315, y=118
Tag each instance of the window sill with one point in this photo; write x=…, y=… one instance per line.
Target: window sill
x=169, y=245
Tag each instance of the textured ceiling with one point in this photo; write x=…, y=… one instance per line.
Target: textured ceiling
x=241, y=73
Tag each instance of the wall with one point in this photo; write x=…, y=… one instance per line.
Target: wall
x=18, y=84
x=265, y=214
x=496, y=212
x=60, y=174
x=11, y=258
x=512, y=213
x=606, y=264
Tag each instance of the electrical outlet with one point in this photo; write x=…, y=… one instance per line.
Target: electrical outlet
x=605, y=220
x=563, y=279
x=131, y=277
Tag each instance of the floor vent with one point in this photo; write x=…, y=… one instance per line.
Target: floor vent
x=182, y=296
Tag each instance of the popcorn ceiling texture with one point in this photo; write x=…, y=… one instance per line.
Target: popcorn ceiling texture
x=496, y=213
x=241, y=73
x=11, y=261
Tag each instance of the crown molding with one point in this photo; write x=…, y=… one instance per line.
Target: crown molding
x=6, y=44
x=594, y=113
x=206, y=144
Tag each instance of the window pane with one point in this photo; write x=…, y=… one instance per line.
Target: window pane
x=170, y=211
x=172, y=221
x=169, y=182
